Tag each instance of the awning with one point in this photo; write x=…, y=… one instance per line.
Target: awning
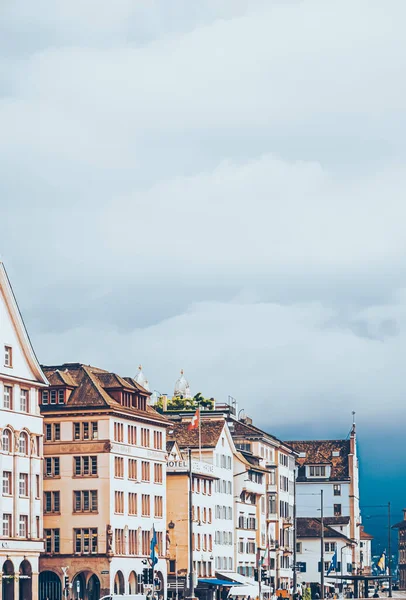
x=247, y=587
x=214, y=581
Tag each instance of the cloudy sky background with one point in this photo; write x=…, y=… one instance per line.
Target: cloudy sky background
x=217, y=186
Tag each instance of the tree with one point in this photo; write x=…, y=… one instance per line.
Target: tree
x=179, y=403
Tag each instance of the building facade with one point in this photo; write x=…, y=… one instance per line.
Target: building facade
x=21, y=379
x=330, y=466
x=104, y=484
x=308, y=553
x=401, y=527
x=204, y=505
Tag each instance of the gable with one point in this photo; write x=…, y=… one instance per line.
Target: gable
x=13, y=333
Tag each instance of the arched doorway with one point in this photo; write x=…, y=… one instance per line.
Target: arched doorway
x=93, y=588
x=8, y=581
x=49, y=586
x=133, y=583
x=25, y=581
x=159, y=581
x=79, y=587
x=119, y=586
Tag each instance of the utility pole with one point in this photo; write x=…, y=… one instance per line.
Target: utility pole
x=191, y=575
x=322, y=547
x=294, y=534
x=389, y=554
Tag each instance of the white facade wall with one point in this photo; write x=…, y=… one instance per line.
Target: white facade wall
x=310, y=555
x=308, y=498
x=20, y=457
x=223, y=548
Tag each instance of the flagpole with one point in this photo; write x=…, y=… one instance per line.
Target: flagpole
x=200, y=436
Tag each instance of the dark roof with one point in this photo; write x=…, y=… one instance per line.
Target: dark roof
x=337, y=520
x=239, y=429
x=91, y=387
x=400, y=525
x=309, y=527
x=320, y=452
x=211, y=429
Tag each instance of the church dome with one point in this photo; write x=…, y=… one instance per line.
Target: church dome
x=182, y=387
x=141, y=379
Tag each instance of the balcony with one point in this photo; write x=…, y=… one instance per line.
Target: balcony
x=272, y=516
x=271, y=488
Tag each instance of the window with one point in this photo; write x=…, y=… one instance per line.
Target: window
x=146, y=505
x=85, y=501
x=23, y=484
x=250, y=547
x=330, y=546
x=24, y=401
x=37, y=486
x=132, y=541
x=37, y=526
x=337, y=489
x=146, y=542
x=158, y=440
x=144, y=437
x=23, y=526
x=7, y=525
x=132, y=434
x=85, y=430
x=7, y=483
x=118, y=432
x=23, y=443
x=337, y=510
x=52, y=502
x=8, y=397
x=158, y=506
x=8, y=356
x=118, y=466
x=145, y=470
x=45, y=400
x=52, y=432
x=85, y=541
x=132, y=469
x=299, y=547
x=158, y=473
x=119, y=502
x=7, y=443
x=132, y=503
x=52, y=540
x=85, y=466
x=318, y=471
x=52, y=467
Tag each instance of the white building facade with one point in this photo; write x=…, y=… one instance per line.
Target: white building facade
x=21, y=379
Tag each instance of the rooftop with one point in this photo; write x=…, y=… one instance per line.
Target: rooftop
x=333, y=453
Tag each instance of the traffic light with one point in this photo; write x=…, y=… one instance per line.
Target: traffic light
x=66, y=582
x=145, y=575
x=150, y=575
x=256, y=574
x=263, y=574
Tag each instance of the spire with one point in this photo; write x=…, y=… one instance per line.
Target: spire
x=182, y=387
x=141, y=379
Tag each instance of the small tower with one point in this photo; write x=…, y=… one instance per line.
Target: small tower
x=182, y=387
x=141, y=379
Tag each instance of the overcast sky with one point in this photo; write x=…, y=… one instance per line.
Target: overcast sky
x=218, y=186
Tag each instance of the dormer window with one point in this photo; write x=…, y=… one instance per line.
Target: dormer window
x=317, y=471
x=336, y=453
x=53, y=397
x=45, y=397
x=61, y=396
x=8, y=356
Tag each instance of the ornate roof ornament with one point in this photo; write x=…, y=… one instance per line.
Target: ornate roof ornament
x=182, y=387
x=141, y=379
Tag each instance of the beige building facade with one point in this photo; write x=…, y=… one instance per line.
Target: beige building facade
x=104, y=484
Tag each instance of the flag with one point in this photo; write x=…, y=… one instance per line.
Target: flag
x=382, y=562
x=194, y=423
x=154, y=548
x=333, y=564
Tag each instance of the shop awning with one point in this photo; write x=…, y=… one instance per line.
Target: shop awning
x=247, y=587
x=213, y=581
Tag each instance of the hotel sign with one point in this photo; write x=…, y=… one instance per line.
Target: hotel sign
x=177, y=465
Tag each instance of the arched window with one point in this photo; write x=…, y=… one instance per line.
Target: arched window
x=7, y=440
x=23, y=443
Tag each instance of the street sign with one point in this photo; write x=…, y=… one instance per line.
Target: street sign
x=104, y=572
